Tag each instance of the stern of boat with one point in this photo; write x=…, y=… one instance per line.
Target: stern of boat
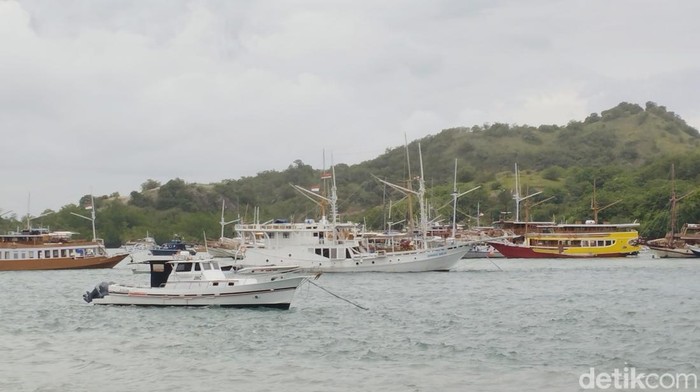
x=100, y=291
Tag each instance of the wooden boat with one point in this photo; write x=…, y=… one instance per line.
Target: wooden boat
x=41, y=249
x=203, y=283
x=574, y=240
x=676, y=244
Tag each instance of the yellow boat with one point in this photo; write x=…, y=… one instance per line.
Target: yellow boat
x=574, y=240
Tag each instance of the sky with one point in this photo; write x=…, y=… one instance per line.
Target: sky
x=98, y=97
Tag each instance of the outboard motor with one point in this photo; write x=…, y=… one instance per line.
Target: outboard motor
x=99, y=291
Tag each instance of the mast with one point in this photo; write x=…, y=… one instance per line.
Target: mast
x=409, y=185
x=455, y=196
x=516, y=194
x=92, y=217
x=454, y=204
x=421, y=202
x=594, y=205
x=420, y=194
x=222, y=222
x=673, y=202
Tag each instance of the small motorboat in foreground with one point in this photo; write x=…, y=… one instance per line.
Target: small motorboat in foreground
x=203, y=283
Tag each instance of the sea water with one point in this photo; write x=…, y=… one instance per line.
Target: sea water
x=488, y=325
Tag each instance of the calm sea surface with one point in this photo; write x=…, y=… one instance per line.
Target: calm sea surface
x=535, y=325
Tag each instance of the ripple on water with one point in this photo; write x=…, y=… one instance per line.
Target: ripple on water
x=534, y=326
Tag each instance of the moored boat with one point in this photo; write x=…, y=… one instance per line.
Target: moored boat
x=679, y=244
x=144, y=244
x=332, y=246
x=173, y=247
x=574, y=241
x=202, y=283
x=676, y=244
x=42, y=249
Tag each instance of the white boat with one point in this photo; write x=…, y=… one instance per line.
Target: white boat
x=202, y=283
x=330, y=246
x=140, y=245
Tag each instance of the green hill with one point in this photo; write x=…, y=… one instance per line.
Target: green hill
x=627, y=150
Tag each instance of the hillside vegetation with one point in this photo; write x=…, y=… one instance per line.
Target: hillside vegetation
x=627, y=151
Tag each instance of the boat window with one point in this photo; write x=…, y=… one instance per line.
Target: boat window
x=184, y=267
x=215, y=265
x=55, y=253
x=317, y=251
x=197, y=267
x=206, y=266
x=31, y=254
x=47, y=254
x=326, y=252
x=285, y=234
x=334, y=253
x=63, y=253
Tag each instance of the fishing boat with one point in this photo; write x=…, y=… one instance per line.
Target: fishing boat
x=203, y=283
x=574, y=240
x=328, y=245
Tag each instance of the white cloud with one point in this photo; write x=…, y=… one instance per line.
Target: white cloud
x=100, y=96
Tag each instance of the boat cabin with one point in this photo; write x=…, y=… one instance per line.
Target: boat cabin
x=183, y=270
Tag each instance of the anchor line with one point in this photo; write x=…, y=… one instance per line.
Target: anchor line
x=336, y=295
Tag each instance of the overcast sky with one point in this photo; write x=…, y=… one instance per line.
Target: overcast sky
x=100, y=96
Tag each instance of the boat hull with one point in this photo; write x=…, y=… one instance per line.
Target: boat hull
x=515, y=251
x=672, y=253
x=439, y=259
x=274, y=294
x=61, y=263
x=482, y=252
